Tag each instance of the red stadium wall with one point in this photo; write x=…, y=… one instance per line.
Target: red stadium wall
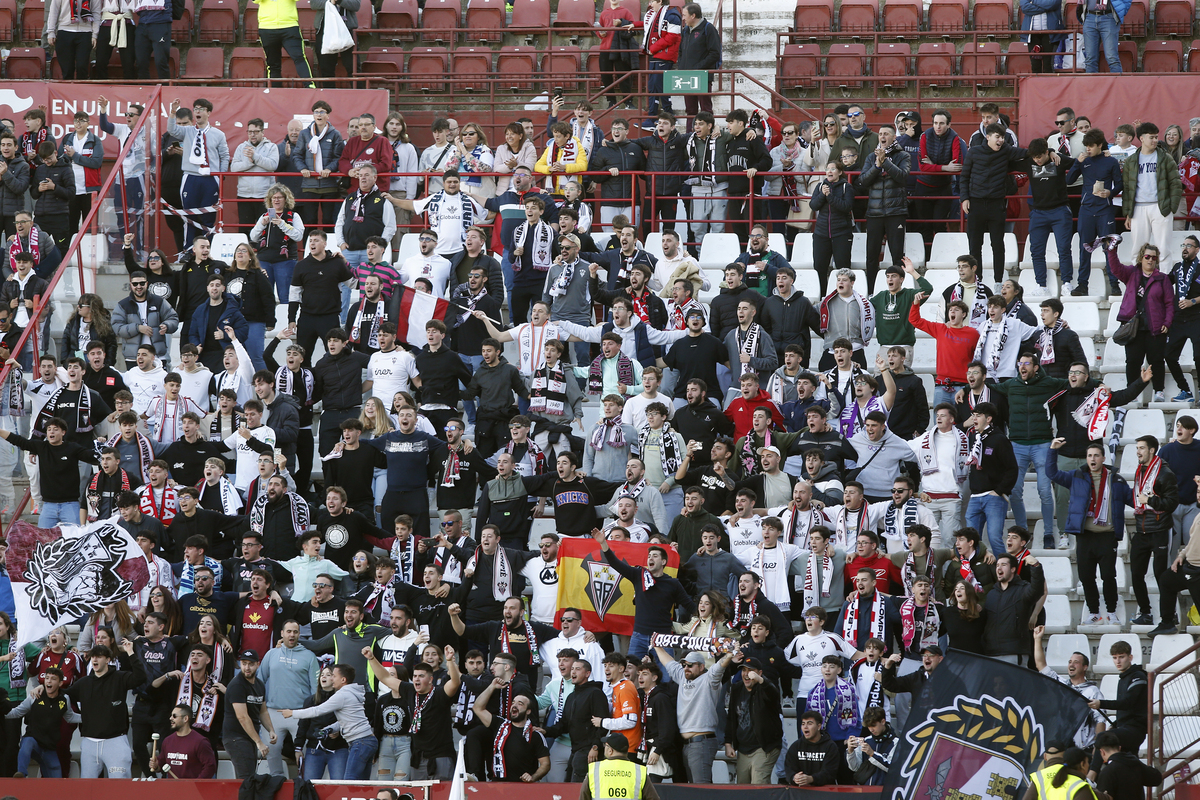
x=1107, y=100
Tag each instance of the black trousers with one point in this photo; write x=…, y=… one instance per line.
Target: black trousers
x=610, y=68
x=414, y=503
x=330, y=433
x=80, y=207
x=825, y=248
x=662, y=208
x=523, y=298
x=319, y=215
x=58, y=226
x=153, y=38
x=988, y=215
x=740, y=210
x=1151, y=348
x=1094, y=550
x=305, y=445
x=274, y=42
x=1179, y=334
x=1170, y=584
x=933, y=208
x=74, y=51
x=147, y=719
x=1045, y=62
x=879, y=228
x=1143, y=547
x=327, y=64
x=311, y=328
x=104, y=53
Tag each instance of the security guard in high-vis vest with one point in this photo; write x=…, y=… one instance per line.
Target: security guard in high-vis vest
x=616, y=777
x=1063, y=781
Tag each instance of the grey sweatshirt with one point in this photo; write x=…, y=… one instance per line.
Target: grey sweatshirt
x=290, y=674
x=608, y=463
x=575, y=305
x=877, y=477
x=494, y=386
x=346, y=704
x=697, y=702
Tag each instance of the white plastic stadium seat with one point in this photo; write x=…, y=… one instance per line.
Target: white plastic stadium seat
x=1058, y=614
x=1103, y=664
x=1059, y=579
x=1051, y=255
x=719, y=249
x=802, y=251
x=1028, y=280
x=223, y=245
x=1143, y=421
x=947, y=247
x=654, y=244
x=914, y=248
x=1083, y=318
x=1167, y=647
x=1060, y=646
x=410, y=246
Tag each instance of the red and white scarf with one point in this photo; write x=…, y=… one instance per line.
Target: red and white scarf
x=1093, y=413
x=535, y=658
x=878, y=616
x=453, y=469
x=144, y=448
x=798, y=523
x=163, y=510
x=15, y=245
x=993, y=337
x=1100, y=503
x=1143, y=483
x=930, y=626
x=866, y=315
x=499, y=765
x=967, y=574
x=825, y=565
x=609, y=432
x=741, y=620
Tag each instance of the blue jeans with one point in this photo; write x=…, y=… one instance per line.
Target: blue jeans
x=133, y=196
x=280, y=273
x=654, y=85
x=361, y=758
x=991, y=509
x=54, y=513
x=1037, y=454
x=1092, y=223
x=315, y=762
x=507, y=270
x=1100, y=30
x=469, y=405
x=1041, y=223
x=639, y=645
x=255, y=343
x=47, y=759
x=942, y=394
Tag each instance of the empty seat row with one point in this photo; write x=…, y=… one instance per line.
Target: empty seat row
x=513, y=67
x=485, y=20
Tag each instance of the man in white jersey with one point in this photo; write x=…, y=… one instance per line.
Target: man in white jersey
x=165, y=414
x=541, y=576
x=145, y=381
x=744, y=524
x=195, y=378
x=772, y=560
x=451, y=212
x=427, y=264
x=248, y=441
x=573, y=637
x=392, y=369
x=530, y=337
x=394, y=647
x=808, y=649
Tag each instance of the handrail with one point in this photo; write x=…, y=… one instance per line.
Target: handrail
x=1158, y=677
x=35, y=320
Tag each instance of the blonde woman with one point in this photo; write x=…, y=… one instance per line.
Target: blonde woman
x=475, y=157
x=275, y=235
x=402, y=187
x=114, y=615
x=376, y=422
x=516, y=151
x=1172, y=142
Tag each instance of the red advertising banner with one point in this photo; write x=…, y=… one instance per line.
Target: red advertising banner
x=1107, y=100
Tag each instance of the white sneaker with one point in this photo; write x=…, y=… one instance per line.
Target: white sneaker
x=1039, y=291
x=1064, y=542
x=1067, y=287
x=1111, y=618
x=1093, y=619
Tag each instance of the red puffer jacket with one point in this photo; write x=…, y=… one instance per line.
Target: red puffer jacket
x=662, y=29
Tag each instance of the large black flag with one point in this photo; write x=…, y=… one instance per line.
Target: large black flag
x=978, y=728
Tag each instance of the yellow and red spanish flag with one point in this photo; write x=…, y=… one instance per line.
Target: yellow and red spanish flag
x=588, y=582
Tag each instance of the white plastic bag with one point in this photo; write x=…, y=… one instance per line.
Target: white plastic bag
x=336, y=36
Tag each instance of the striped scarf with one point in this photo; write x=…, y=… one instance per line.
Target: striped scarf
x=297, y=506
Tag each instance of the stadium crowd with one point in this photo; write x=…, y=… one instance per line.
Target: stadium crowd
x=354, y=557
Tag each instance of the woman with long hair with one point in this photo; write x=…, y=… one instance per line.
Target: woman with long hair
x=362, y=573
x=710, y=622
x=322, y=748
x=402, y=187
x=1014, y=294
x=162, y=601
x=515, y=151
x=833, y=230
x=964, y=618
x=475, y=157
x=14, y=672
x=164, y=281
x=250, y=283
x=376, y=422
x=823, y=139
x=1150, y=298
x=276, y=235
x=90, y=322
x=114, y=615
x=210, y=633
x=1173, y=142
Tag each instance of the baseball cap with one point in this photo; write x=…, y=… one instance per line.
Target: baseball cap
x=248, y=655
x=933, y=650
x=771, y=449
x=617, y=742
x=694, y=312
x=752, y=663
x=694, y=657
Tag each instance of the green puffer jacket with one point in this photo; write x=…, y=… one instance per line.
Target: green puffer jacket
x=1170, y=188
x=1028, y=419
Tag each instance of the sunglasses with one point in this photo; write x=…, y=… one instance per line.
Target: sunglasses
x=137, y=284
x=1062, y=122
x=899, y=491
x=322, y=585
x=448, y=524
x=855, y=114
x=570, y=619
x=1149, y=257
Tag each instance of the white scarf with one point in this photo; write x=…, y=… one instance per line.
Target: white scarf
x=866, y=315
x=825, y=565
x=502, y=575
x=892, y=520
x=750, y=344
x=314, y=146
x=199, y=154
x=843, y=536
x=850, y=623
x=405, y=556
x=1046, y=341
x=586, y=136
x=927, y=458
x=1092, y=414
x=380, y=316
x=995, y=344
x=797, y=524
x=543, y=238
x=563, y=281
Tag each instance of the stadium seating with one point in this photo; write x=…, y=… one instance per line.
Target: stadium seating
x=845, y=62
x=516, y=67
x=993, y=15
x=1174, y=17
x=25, y=64
x=1163, y=56
x=1016, y=60
x=948, y=17
x=982, y=60
x=936, y=64
x=1166, y=648
x=1134, y=23
x=560, y=67
x=247, y=63
x=218, y=23
x=425, y=66
x=1060, y=646
x=891, y=68
x=471, y=62
x=799, y=65
x=718, y=249
x=8, y=20
x=1058, y=612
x=288, y=67
x=857, y=16
x=1193, y=59
x=206, y=62
x=308, y=21
x=1103, y=664
x=181, y=29
x=440, y=20
x=902, y=16
x=530, y=15
x=814, y=17
x=250, y=23
x=577, y=14
x=33, y=20
x=485, y=20
x=397, y=20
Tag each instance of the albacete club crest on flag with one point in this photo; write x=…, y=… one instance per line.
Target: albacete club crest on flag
x=603, y=585
x=976, y=749
x=71, y=577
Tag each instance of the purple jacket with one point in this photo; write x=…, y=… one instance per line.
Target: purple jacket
x=1160, y=296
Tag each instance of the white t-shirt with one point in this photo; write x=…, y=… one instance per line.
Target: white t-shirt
x=145, y=386
x=806, y=652
x=194, y=386
x=143, y=310
x=1147, y=178
x=448, y=222
x=772, y=565
x=542, y=579
x=247, y=459
x=435, y=268
x=634, y=412
x=743, y=533
x=165, y=417
x=391, y=372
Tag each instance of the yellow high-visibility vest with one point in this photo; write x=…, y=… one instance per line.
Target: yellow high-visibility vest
x=616, y=779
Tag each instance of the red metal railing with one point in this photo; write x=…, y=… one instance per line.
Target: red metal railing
x=154, y=102
x=1166, y=686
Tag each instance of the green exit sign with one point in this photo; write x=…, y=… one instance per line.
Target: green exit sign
x=686, y=81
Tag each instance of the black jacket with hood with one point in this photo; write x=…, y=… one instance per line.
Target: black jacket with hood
x=886, y=186
x=819, y=760
x=742, y=154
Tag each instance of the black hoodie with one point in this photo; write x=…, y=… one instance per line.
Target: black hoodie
x=1125, y=777
x=743, y=154
x=582, y=704
x=1130, y=704
x=818, y=759
x=101, y=699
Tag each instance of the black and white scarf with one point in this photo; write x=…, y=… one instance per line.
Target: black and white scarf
x=502, y=581
x=995, y=337
x=379, y=317
x=749, y=345
x=215, y=434
x=634, y=491
x=12, y=399
x=892, y=518
x=1046, y=341
x=667, y=451
x=543, y=239
x=911, y=571
x=563, y=282
x=83, y=414
x=464, y=299
x=499, y=765
x=1015, y=309
x=405, y=556
x=978, y=303
x=844, y=536
x=548, y=390
x=976, y=458
x=434, y=209
x=285, y=383
x=299, y=511
x=927, y=459
x=875, y=696
x=798, y=523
